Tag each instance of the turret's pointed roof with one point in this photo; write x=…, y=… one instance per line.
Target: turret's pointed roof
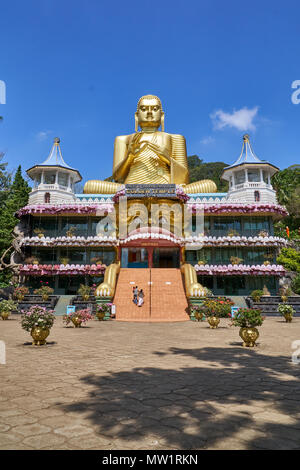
x=55, y=159
x=247, y=155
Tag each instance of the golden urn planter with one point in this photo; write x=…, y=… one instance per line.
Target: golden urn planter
x=100, y=316
x=288, y=317
x=85, y=297
x=249, y=336
x=213, y=322
x=5, y=315
x=45, y=297
x=39, y=335
x=76, y=322
x=20, y=298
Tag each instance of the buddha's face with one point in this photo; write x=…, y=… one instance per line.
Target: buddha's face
x=149, y=113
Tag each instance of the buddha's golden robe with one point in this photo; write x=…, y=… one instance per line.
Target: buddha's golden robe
x=149, y=158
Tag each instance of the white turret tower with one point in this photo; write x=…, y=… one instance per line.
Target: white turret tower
x=250, y=178
x=54, y=180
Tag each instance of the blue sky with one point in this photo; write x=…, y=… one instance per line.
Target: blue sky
x=76, y=70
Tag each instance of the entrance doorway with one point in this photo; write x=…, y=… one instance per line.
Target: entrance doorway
x=134, y=258
x=166, y=258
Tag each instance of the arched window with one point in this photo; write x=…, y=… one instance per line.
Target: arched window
x=256, y=196
x=47, y=198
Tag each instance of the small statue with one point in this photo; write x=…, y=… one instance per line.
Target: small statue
x=149, y=156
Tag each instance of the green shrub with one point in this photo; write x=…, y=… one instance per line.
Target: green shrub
x=296, y=284
x=284, y=309
x=290, y=259
x=248, y=318
x=256, y=295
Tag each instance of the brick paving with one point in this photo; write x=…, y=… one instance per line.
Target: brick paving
x=121, y=385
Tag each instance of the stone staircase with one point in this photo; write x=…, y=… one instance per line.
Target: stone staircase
x=164, y=298
x=61, y=306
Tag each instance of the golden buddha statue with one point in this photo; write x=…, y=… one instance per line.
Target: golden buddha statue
x=149, y=156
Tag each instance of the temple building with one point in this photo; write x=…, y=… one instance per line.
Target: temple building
x=167, y=236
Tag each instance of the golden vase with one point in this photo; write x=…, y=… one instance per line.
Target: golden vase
x=213, y=322
x=85, y=297
x=39, y=335
x=5, y=315
x=249, y=336
x=288, y=317
x=100, y=316
x=76, y=322
x=45, y=297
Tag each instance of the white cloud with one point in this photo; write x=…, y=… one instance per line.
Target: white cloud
x=43, y=135
x=242, y=119
x=207, y=140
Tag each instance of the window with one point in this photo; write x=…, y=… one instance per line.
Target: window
x=239, y=177
x=265, y=177
x=256, y=196
x=63, y=179
x=49, y=178
x=47, y=198
x=253, y=176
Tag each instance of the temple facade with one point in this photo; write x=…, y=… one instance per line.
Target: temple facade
x=227, y=245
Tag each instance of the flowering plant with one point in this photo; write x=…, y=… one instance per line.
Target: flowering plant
x=20, y=292
x=285, y=309
x=37, y=316
x=104, y=308
x=219, y=307
x=197, y=312
x=83, y=315
x=181, y=194
x=44, y=290
x=248, y=318
x=7, y=306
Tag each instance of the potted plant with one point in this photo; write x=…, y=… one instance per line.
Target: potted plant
x=20, y=292
x=103, y=310
x=77, y=318
x=6, y=307
x=248, y=319
x=263, y=233
x=44, y=291
x=202, y=262
x=256, y=295
x=38, y=320
x=71, y=232
x=84, y=291
x=285, y=292
x=96, y=260
x=40, y=232
x=232, y=233
x=64, y=261
x=32, y=260
x=195, y=312
x=286, y=311
x=235, y=260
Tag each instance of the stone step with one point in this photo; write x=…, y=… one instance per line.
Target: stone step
x=164, y=299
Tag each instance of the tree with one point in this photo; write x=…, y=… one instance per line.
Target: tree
x=285, y=182
x=16, y=197
x=290, y=259
x=200, y=170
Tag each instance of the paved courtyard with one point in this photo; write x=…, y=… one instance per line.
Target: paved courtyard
x=120, y=385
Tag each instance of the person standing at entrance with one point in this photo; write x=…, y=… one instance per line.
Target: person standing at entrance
x=135, y=292
x=141, y=298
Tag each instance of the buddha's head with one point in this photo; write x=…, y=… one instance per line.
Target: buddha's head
x=149, y=113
